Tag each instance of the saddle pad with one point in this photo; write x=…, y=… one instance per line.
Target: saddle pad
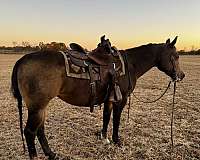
x=82, y=75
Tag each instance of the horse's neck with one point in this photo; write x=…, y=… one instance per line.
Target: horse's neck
x=142, y=59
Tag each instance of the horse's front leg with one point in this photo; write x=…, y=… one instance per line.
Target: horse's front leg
x=117, y=110
x=108, y=106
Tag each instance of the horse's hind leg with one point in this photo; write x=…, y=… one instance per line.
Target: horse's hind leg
x=44, y=143
x=35, y=119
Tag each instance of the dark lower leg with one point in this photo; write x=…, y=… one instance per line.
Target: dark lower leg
x=35, y=118
x=116, y=122
x=117, y=110
x=44, y=143
x=30, y=140
x=106, y=117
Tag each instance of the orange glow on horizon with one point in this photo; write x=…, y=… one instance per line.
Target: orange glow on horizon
x=90, y=44
x=90, y=41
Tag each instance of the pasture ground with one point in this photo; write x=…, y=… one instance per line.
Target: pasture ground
x=71, y=130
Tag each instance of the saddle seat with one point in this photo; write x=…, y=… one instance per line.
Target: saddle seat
x=81, y=58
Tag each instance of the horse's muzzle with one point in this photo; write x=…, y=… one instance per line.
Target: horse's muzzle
x=178, y=76
x=181, y=75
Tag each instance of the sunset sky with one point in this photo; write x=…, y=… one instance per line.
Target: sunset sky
x=127, y=23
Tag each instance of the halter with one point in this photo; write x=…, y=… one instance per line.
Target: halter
x=172, y=61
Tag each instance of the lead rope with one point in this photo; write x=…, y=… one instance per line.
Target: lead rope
x=172, y=112
x=129, y=105
x=172, y=119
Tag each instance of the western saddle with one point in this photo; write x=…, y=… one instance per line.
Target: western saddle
x=102, y=58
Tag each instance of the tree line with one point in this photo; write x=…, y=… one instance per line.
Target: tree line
x=191, y=52
x=26, y=47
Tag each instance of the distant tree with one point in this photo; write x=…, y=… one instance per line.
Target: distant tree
x=53, y=46
x=14, y=43
x=192, y=48
x=42, y=45
x=26, y=44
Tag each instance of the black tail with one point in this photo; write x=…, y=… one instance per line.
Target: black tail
x=17, y=95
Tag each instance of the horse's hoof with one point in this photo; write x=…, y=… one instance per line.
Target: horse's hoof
x=100, y=136
x=117, y=142
x=34, y=157
x=106, y=141
x=53, y=156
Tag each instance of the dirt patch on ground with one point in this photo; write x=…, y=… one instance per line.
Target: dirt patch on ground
x=71, y=130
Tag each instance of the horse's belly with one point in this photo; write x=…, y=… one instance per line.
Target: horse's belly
x=78, y=92
x=77, y=99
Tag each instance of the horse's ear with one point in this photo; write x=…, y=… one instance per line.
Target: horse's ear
x=108, y=41
x=168, y=41
x=174, y=41
x=102, y=38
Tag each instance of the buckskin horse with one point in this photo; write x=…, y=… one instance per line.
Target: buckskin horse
x=39, y=77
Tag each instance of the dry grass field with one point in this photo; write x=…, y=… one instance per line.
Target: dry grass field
x=71, y=130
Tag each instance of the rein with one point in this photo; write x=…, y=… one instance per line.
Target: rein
x=172, y=119
x=152, y=101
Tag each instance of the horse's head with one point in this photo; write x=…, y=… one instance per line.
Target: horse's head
x=168, y=61
x=104, y=46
